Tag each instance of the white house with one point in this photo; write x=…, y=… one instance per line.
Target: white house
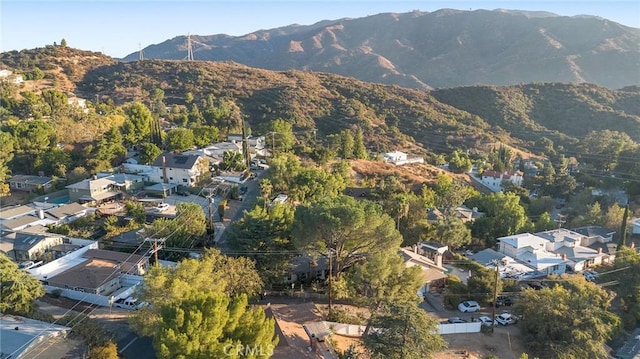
x=179, y=169
x=400, y=158
x=531, y=250
x=256, y=143
x=494, y=179
x=569, y=244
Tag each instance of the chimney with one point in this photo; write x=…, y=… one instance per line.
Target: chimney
x=95, y=177
x=41, y=213
x=632, y=245
x=415, y=248
x=164, y=170
x=600, y=250
x=438, y=259
x=564, y=257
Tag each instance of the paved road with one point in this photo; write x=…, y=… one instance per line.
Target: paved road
x=115, y=320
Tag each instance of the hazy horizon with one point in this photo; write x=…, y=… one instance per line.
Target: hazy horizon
x=118, y=28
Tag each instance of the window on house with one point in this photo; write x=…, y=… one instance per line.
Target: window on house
x=184, y=180
x=171, y=178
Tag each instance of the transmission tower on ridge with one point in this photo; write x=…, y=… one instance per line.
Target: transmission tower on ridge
x=140, y=53
x=189, y=48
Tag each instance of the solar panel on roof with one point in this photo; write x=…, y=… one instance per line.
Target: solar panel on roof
x=180, y=160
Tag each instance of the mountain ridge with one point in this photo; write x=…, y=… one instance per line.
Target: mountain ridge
x=440, y=49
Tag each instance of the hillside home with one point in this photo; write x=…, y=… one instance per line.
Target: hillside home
x=31, y=246
x=531, y=250
x=254, y=143
x=29, y=183
x=98, y=271
x=68, y=212
x=568, y=243
x=94, y=189
x=463, y=213
x=214, y=153
x=22, y=338
x=37, y=217
x=432, y=274
x=507, y=266
x=304, y=268
x=434, y=251
x=400, y=158
x=493, y=179
x=9, y=213
x=179, y=169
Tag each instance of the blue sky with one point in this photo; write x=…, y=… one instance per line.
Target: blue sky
x=119, y=27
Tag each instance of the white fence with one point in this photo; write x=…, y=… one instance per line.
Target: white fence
x=473, y=327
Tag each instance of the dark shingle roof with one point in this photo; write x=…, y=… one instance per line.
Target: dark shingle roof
x=176, y=161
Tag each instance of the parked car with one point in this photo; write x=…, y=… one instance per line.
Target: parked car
x=129, y=303
x=590, y=275
x=504, y=301
x=469, y=306
x=486, y=321
x=162, y=207
x=456, y=320
x=506, y=319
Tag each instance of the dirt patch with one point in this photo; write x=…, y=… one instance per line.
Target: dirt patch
x=504, y=343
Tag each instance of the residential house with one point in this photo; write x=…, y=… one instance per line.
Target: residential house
x=22, y=338
x=98, y=271
x=531, y=250
x=129, y=263
x=463, y=213
x=180, y=169
x=568, y=243
x=508, y=267
x=306, y=268
x=596, y=234
x=29, y=183
x=255, y=143
x=214, y=153
x=94, y=189
x=434, y=251
x=32, y=246
x=68, y=212
x=493, y=179
x=9, y=213
x=95, y=276
x=39, y=218
x=400, y=158
x=432, y=274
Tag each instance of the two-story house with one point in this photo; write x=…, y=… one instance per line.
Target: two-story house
x=493, y=179
x=31, y=246
x=179, y=169
x=94, y=189
x=531, y=250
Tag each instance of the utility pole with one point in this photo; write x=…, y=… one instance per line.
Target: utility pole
x=495, y=295
x=330, y=281
x=210, y=207
x=155, y=251
x=245, y=148
x=273, y=143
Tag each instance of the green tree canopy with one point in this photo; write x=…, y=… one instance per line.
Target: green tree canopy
x=148, y=152
x=213, y=272
x=452, y=232
x=280, y=136
x=459, y=162
x=384, y=279
x=18, y=288
x=626, y=272
x=262, y=230
x=206, y=324
x=137, y=125
x=349, y=228
x=404, y=331
x=179, y=139
x=504, y=216
x=575, y=321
